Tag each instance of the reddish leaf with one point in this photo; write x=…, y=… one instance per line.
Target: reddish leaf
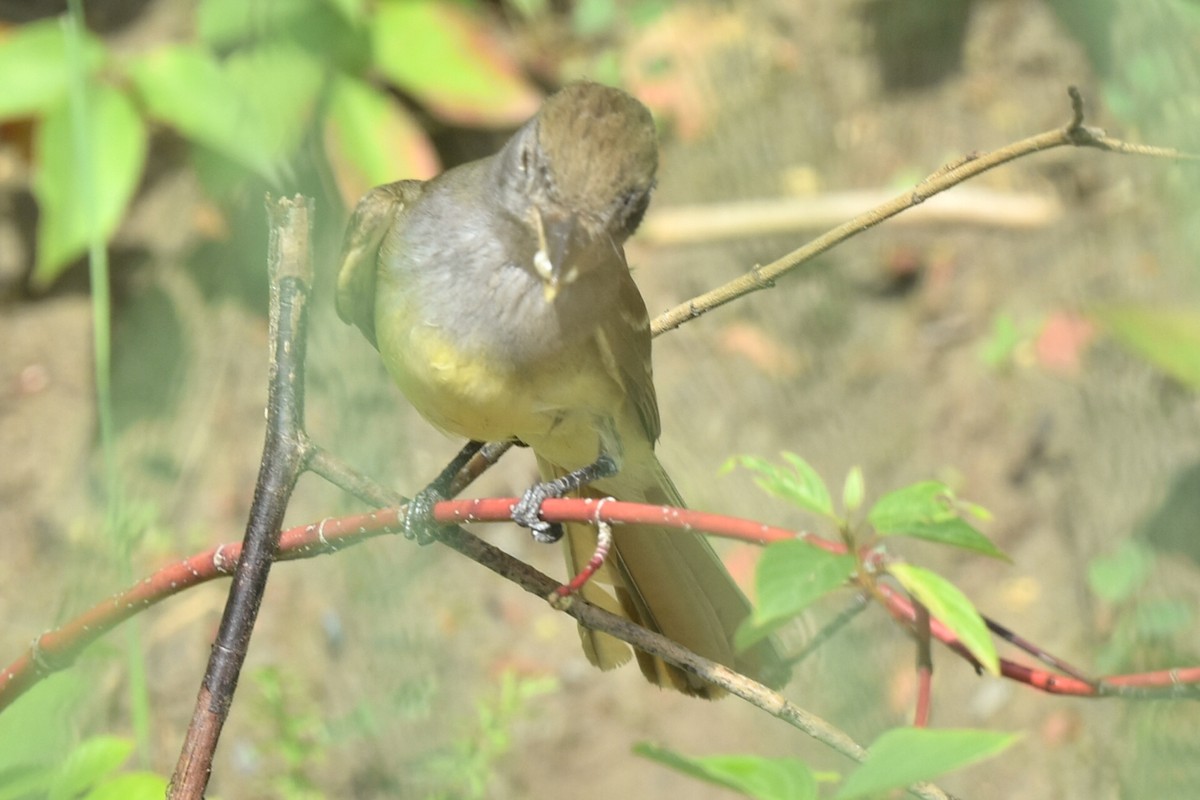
x=371, y=139
x=1062, y=341
x=445, y=55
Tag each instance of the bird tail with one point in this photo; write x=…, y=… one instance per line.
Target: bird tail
x=667, y=580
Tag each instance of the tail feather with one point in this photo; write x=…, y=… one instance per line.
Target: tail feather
x=602, y=650
x=669, y=581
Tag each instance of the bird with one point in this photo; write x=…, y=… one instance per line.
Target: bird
x=500, y=299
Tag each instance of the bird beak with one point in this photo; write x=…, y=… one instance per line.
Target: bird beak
x=555, y=235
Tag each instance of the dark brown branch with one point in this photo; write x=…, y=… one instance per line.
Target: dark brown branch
x=283, y=459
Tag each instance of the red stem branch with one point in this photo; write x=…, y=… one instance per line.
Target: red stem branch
x=57, y=649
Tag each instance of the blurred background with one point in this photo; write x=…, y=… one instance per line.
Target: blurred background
x=1032, y=340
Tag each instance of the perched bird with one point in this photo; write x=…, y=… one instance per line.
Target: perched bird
x=500, y=300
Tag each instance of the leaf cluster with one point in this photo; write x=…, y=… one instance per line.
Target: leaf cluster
x=257, y=82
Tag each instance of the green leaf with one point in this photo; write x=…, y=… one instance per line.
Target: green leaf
x=761, y=778
x=801, y=485
x=1006, y=337
x=1117, y=577
x=958, y=533
x=33, y=63
x=1168, y=338
x=17, y=783
x=38, y=728
x=226, y=22
x=920, y=502
x=928, y=510
x=188, y=89
x=331, y=32
x=444, y=55
x=853, y=490
x=790, y=577
x=352, y=10
x=114, y=151
x=371, y=139
x=905, y=756
x=130, y=786
x=280, y=82
x=952, y=608
x=88, y=764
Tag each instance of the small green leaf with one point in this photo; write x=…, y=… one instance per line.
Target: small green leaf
x=929, y=510
x=88, y=764
x=974, y=509
x=920, y=502
x=33, y=63
x=801, y=485
x=958, y=533
x=130, y=786
x=1117, y=577
x=905, y=756
x=17, y=783
x=790, y=577
x=853, y=490
x=811, y=482
x=371, y=139
x=952, y=608
x=1169, y=338
x=114, y=152
x=445, y=56
x=753, y=776
x=1006, y=337
x=37, y=730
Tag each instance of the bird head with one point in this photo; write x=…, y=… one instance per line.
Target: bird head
x=579, y=174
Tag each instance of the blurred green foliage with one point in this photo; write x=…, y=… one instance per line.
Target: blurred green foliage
x=258, y=81
x=39, y=756
x=898, y=758
x=467, y=770
x=1168, y=338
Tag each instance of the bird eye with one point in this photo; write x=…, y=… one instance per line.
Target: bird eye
x=632, y=207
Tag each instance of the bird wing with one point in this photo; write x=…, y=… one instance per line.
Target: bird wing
x=358, y=265
x=626, y=330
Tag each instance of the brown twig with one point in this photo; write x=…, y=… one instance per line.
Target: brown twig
x=1073, y=134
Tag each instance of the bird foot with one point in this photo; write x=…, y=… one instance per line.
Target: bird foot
x=528, y=512
x=419, y=524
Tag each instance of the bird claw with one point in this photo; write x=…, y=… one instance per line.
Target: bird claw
x=527, y=513
x=419, y=524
